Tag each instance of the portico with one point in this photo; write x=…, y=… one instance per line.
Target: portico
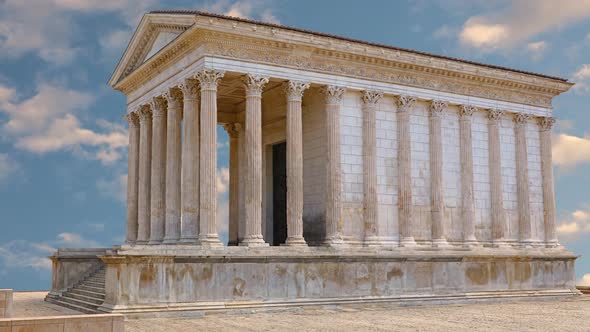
x=358, y=172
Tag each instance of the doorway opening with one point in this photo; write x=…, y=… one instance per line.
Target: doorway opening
x=279, y=194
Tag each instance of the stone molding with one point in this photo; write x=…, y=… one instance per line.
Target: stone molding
x=383, y=65
x=209, y=78
x=254, y=84
x=333, y=94
x=294, y=89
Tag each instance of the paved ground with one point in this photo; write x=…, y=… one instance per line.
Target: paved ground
x=564, y=315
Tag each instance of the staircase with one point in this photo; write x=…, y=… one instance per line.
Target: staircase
x=86, y=296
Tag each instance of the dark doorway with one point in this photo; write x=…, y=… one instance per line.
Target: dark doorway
x=279, y=194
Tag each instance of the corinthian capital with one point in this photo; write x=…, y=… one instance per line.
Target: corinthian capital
x=132, y=119
x=145, y=113
x=520, y=119
x=405, y=103
x=209, y=78
x=333, y=93
x=158, y=105
x=467, y=110
x=495, y=115
x=232, y=129
x=546, y=123
x=437, y=107
x=254, y=84
x=294, y=89
x=371, y=97
x=189, y=88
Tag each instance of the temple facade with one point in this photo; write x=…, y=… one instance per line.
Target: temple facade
x=358, y=173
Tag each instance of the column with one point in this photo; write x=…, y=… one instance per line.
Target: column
x=253, y=161
x=497, y=200
x=522, y=180
x=294, y=91
x=466, y=151
x=233, y=130
x=370, y=100
x=189, y=229
x=437, y=108
x=173, y=165
x=158, y=177
x=145, y=170
x=404, y=165
x=208, y=80
x=132, y=177
x=333, y=189
x=545, y=124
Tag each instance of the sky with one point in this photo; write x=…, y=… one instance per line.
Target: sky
x=63, y=157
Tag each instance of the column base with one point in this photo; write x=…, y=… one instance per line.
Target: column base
x=471, y=242
x=189, y=241
x=210, y=240
x=253, y=241
x=500, y=243
x=530, y=243
x=154, y=242
x=407, y=242
x=296, y=241
x=170, y=241
x=141, y=242
x=232, y=243
x=552, y=244
x=440, y=243
x=335, y=241
x=374, y=241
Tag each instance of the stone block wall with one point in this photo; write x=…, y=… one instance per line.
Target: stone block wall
x=5, y=303
x=75, y=323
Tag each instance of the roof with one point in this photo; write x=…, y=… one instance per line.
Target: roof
x=206, y=14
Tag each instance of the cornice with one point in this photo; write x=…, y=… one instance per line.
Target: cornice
x=222, y=39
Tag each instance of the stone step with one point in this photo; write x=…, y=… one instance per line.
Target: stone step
x=73, y=306
x=80, y=303
x=90, y=288
x=84, y=298
x=93, y=284
x=95, y=295
x=95, y=278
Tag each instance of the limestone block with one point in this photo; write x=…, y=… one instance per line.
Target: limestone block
x=5, y=303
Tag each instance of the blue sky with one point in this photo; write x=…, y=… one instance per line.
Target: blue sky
x=63, y=140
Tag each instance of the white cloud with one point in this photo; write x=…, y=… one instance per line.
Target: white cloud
x=584, y=281
x=569, y=151
x=8, y=167
x=537, y=49
x=115, y=41
x=576, y=224
x=222, y=181
x=251, y=9
x=76, y=240
x=115, y=188
x=48, y=28
x=582, y=79
x=46, y=122
x=25, y=254
x=522, y=20
x=582, y=73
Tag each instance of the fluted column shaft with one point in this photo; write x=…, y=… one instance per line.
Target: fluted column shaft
x=145, y=169
x=189, y=229
x=173, y=165
x=132, y=178
x=370, y=100
x=333, y=190
x=252, y=148
x=466, y=151
x=436, y=164
x=294, y=91
x=158, y=177
x=405, y=104
x=208, y=80
x=545, y=125
x=497, y=201
x=522, y=179
x=233, y=130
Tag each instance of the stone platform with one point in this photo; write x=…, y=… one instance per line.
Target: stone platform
x=144, y=279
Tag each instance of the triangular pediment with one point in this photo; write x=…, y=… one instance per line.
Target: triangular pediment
x=153, y=33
